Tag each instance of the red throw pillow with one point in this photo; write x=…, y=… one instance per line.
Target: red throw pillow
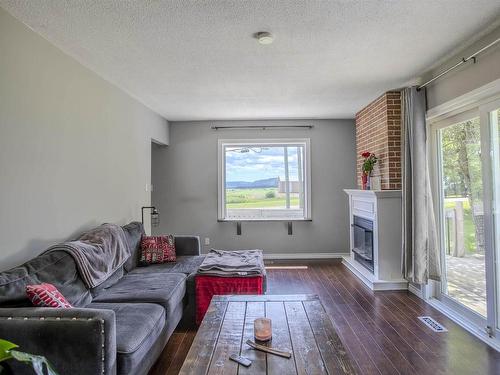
x=46, y=295
x=157, y=249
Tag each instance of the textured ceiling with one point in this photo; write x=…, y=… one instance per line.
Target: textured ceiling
x=196, y=60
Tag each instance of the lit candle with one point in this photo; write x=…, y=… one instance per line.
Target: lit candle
x=262, y=329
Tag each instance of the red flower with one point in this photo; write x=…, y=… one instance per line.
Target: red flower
x=366, y=154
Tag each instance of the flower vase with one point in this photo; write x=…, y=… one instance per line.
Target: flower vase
x=364, y=180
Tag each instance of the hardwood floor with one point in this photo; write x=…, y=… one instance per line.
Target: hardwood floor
x=380, y=330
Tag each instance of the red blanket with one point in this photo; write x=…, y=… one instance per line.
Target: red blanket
x=209, y=286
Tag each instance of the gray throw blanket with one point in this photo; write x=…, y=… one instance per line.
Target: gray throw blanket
x=244, y=263
x=97, y=253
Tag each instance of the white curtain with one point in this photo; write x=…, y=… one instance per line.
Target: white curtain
x=421, y=256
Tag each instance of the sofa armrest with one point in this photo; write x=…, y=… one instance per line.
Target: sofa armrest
x=75, y=341
x=187, y=245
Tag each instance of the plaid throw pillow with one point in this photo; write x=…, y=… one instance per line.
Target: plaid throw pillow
x=157, y=249
x=46, y=295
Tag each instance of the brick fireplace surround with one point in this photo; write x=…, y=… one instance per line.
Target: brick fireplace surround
x=378, y=130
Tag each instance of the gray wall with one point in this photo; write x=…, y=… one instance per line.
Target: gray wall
x=185, y=187
x=74, y=149
x=469, y=76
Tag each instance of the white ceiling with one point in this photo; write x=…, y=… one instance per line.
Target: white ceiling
x=197, y=60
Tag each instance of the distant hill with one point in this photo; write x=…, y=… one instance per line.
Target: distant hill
x=267, y=183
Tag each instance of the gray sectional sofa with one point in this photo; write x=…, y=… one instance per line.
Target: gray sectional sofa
x=120, y=327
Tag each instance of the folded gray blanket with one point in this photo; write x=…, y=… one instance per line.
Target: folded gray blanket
x=223, y=263
x=97, y=253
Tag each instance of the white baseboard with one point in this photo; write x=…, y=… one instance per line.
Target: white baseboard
x=293, y=256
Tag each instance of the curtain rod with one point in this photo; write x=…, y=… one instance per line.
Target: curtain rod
x=262, y=127
x=463, y=61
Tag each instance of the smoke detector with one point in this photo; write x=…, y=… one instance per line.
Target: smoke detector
x=264, y=37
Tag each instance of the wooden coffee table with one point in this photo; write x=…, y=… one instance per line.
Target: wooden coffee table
x=300, y=326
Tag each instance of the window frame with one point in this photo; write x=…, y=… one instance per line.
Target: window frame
x=221, y=173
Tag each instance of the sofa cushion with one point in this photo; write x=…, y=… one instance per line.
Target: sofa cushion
x=154, y=268
x=136, y=323
x=109, y=282
x=133, y=233
x=187, y=265
x=166, y=289
x=138, y=330
x=183, y=264
x=57, y=268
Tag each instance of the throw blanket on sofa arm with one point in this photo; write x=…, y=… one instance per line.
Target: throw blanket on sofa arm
x=97, y=253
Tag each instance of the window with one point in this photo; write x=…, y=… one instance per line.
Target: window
x=264, y=180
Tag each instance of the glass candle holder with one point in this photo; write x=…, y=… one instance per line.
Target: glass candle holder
x=262, y=329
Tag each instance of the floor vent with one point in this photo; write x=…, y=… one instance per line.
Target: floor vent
x=432, y=324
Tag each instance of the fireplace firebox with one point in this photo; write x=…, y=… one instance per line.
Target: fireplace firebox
x=362, y=230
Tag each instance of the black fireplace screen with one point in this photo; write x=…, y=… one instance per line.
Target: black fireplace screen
x=363, y=241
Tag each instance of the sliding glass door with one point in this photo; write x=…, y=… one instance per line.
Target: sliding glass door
x=490, y=115
x=461, y=213
x=467, y=187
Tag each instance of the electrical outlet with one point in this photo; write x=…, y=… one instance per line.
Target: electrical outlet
x=207, y=241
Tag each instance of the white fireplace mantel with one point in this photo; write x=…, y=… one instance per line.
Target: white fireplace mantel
x=374, y=193
x=383, y=208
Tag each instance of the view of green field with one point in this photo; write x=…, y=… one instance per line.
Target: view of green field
x=258, y=198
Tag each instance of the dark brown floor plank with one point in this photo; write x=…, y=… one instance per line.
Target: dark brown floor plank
x=416, y=351
x=180, y=355
x=169, y=354
x=465, y=354
x=380, y=331
x=408, y=329
x=364, y=352
x=384, y=343
x=451, y=354
x=388, y=342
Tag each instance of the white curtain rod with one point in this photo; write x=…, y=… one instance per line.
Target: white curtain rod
x=463, y=61
x=262, y=127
